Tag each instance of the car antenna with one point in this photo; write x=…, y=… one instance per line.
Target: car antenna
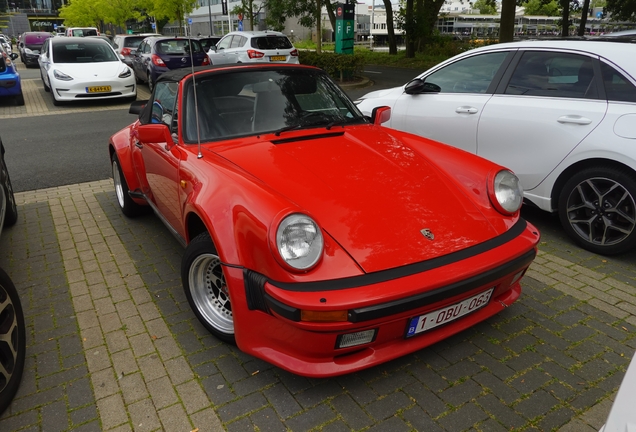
x=196, y=102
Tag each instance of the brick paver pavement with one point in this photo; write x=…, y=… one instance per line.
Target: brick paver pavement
x=113, y=344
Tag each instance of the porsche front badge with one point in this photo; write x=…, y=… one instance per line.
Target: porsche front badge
x=427, y=233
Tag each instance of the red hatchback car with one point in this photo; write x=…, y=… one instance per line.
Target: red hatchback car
x=314, y=238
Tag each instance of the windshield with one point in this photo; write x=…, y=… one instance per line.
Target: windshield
x=178, y=47
x=264, y=101
x=83, y=53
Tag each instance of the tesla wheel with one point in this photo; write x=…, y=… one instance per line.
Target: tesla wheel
x=12, y=340
x=206, y=289
x=55, y=101
x=128, y=207
x=597, y=208
x=11, y=214
x=46, y=87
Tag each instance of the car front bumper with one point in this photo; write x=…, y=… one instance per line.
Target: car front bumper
x=74, y=91
x=267, y=314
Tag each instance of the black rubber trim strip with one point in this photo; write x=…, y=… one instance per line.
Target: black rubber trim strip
x=427, y=298
x=307, y=137
x=404, y=271
x=289, y=312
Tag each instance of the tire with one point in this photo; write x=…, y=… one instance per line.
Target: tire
x=12, y=341
x=128, y=207
x=55, y=101
x=11, y=214
x=151, y=84
x=205, y=287
x=597, y=208
x=19, y=100
x=46, y=87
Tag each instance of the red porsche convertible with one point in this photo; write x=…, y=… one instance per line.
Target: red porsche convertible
x=314, y=238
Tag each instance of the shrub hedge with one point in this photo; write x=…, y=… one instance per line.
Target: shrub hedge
x=342, y=67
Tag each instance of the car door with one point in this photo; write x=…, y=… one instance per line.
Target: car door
x=44, y=61
x=161, y=159
x=451, y=115
x=136, y=60
x=545, y=106
x=219, y=56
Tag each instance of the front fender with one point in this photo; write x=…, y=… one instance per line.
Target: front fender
x=119, y=144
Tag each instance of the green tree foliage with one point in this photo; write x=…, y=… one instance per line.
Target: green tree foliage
x=78, y=13
x=621, y=10
x=486, y=7
x=542, y=7
x=171, y=9
x=418, y=19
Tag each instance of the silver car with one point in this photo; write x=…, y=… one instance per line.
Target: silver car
x=253, y=47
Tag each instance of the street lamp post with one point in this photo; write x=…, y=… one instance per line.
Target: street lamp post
x=210, y=15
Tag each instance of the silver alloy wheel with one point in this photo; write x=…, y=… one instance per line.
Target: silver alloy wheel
x=8, y=338
x=209, y=292
x=119, y=189
x=601, y=211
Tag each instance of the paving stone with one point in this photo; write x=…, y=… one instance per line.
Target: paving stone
x=501, y=411
x=494, y=366
x=133, y=388
x=151, y=367
x=111, y=411
x=461, y=393
x=240, y=425
x=267, y=420
x=429, y=378
x=420, y=420
x=386, y=407
x=318, y=394
x=192, y=396
x=555, y=419
x=393, y=382
x=352, y=414
x=311, y=418
x=537, y=404
x=206, y=421
x=594, y=370
x=497, y=387
x=460, y=370
x=530, y=381
x=217, y=389
x=84, y=415
x=525, y=360
x=393, y=424
x=241, y=407
x=79, y=392
x=174, y=418
x=463, y=418
x=54, y=417
x=282, y=401
x=162, y=392
x=104, y=384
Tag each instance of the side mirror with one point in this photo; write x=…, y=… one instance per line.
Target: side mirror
x=133, y=52
x=154, y=133
x=137, y=106
x=418, y=85
x=212, y=48
x=14, y=56
x=380, y=115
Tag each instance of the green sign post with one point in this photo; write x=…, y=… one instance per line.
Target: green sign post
x=345, y=26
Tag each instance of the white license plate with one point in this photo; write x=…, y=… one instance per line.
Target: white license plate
x=449, y=313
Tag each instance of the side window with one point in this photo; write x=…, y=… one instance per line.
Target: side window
x=469, y=75
x=554, y=74
x=224, y=43
x=617, y=87
x=146, y=49
x=236, y=42
x=163, y=105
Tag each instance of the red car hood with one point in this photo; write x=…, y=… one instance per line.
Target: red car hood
x=371, y=193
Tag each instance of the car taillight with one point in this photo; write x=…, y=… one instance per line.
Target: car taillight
x=156, y=60
x=125, y=51
x=205, y=62
x=294, y=53
x=255, y=54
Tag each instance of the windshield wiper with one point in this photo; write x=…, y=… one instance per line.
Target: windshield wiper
x=287, y=128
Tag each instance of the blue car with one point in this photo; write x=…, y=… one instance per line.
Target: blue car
x=156, y=55
x=10, y=86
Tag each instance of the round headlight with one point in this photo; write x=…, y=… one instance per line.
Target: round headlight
x=299, y=241
x=508, y=192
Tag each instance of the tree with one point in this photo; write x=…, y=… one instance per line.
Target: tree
x=486, y=7
x=389, y=27
x=247, y=10
x=172, y=9
x=117, y=12
x=87, y=13
x=584, y=12
x=542, y=7
x=507, y=22
x=621, y=10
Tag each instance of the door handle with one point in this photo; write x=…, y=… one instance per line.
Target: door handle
x=575, y=119
x=138, y=144
x=466, y=110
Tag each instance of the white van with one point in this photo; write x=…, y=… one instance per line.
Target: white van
x=82, y=31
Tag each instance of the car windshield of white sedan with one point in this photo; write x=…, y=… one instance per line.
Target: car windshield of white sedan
x=83, y=53
x=265, y=101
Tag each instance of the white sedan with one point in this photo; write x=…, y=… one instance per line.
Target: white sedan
x=74, y=69
x=561, y=114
